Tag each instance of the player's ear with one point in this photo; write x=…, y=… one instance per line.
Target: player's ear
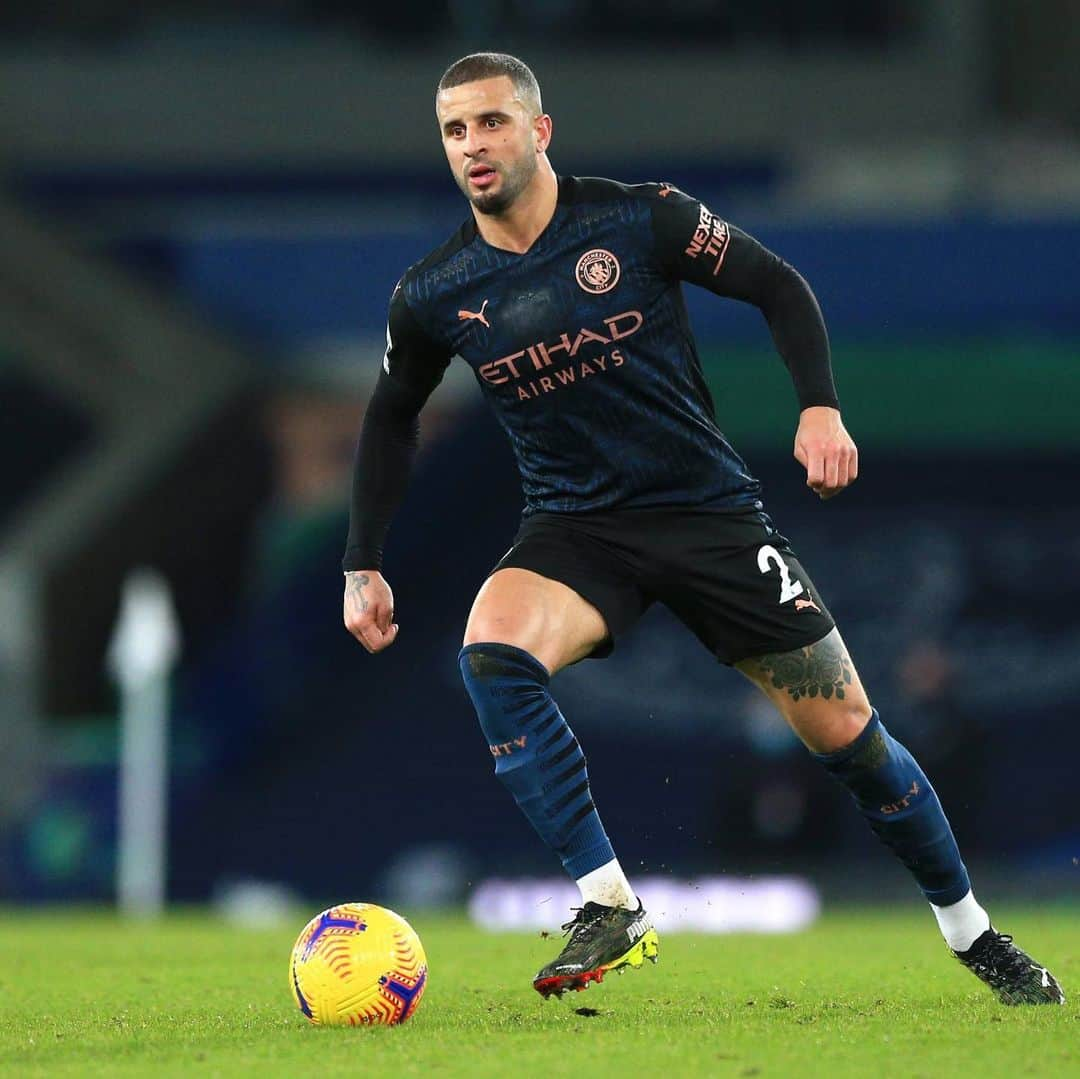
x=542, y=132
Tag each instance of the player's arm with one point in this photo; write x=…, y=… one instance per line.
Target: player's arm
x=412, y=367
x=694, y=245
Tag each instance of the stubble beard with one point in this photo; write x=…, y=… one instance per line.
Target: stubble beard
x=515, y=180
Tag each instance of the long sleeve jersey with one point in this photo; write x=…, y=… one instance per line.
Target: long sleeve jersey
x=582, y=347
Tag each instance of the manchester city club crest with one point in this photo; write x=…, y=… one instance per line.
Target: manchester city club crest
x=597, y=271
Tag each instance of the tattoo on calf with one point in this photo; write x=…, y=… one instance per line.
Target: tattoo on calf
x=356, y=585
x=823, y=668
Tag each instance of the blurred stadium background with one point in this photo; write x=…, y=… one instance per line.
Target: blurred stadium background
x=203, y=209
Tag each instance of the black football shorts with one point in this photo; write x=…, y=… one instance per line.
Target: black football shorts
x=729, y=576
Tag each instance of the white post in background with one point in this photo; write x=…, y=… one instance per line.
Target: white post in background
x=144, y=649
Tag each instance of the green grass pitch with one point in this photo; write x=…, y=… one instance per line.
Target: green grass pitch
x=864, y=993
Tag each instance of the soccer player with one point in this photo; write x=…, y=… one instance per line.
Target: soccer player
x=564, y=296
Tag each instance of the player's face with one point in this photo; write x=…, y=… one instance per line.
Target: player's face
x=492, y=141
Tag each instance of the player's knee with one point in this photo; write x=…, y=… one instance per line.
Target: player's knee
x=488, y=628
x=509, y=629
x=828, y=726
x=849, y=721
x=840, y=723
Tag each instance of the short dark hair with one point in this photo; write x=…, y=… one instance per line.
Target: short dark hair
x=490, y=65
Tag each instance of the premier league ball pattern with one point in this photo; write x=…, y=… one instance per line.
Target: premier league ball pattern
x=357, y=964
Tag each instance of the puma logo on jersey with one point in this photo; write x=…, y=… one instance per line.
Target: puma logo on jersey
x=478, y=315
x=806, y=605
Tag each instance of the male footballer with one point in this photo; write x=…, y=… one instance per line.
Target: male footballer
x=564, y=296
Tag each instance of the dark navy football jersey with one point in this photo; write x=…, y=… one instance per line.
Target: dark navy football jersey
x=583, y=348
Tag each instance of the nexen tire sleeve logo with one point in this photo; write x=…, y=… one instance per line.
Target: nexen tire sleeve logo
x=711, y=238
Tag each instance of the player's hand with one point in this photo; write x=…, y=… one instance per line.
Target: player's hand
x=369, y=609
x=826, y=450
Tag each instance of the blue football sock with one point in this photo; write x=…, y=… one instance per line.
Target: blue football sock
x=536, y=754
x=895, y=796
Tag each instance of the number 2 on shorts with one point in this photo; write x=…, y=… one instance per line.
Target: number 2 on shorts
x=769, y=556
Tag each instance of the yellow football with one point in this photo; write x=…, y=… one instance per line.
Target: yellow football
x=357, y=964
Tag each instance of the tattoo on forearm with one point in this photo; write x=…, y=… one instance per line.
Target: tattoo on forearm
x=823, y=668
x=355, y=590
